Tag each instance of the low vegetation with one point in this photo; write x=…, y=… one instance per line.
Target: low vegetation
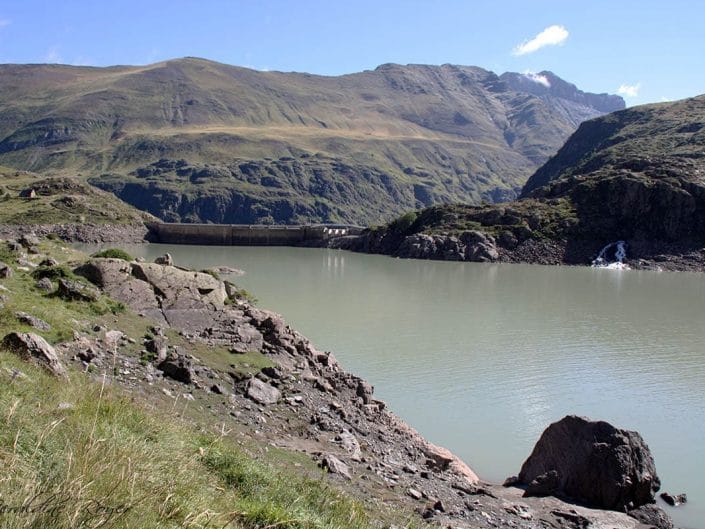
x=80, y=454
x=29, y=198
x=114, y=253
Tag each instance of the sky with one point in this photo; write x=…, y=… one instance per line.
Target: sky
x=648, y=51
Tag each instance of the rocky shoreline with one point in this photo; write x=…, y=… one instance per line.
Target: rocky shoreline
x=477, y=246
x=83, y=233
x=302, y=400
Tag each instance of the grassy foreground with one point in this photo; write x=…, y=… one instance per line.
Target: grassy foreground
x=79, y=454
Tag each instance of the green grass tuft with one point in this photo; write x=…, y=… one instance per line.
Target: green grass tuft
x=114, y=253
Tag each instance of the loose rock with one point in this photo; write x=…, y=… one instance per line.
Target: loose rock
x=32, y=321
x=262, y=392
x=165, y=260
x=336, y=466
x=45, y=284
x=32, y=347
x=76, y=291
x=5, y=270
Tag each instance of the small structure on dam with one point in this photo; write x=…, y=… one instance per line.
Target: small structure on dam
x=248, y=234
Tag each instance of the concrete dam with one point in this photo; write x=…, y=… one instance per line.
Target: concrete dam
x=248, y=235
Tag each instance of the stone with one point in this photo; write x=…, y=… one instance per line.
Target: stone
x=594, y=463
x=14, y=246
x=510, y=481
x=652, y=516
x=25, y=263
x=218, y=389
x=364, y=391
x=49, y=262
x=350, y=443
x=672, y=500
x=336, y=466
x=32, y=321
x=5, y=270
x=442, y=459
x=479, y=247
x=158, y=347
x=177, y=367
x=32, y=347
x=76, y=291
x=29, y=240
x=178, y=289
x=261, y=392
x=165, y=260
x=414, y=494
x=546, y=484
x=45, y=284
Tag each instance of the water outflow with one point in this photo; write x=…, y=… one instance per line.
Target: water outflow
x=612, y=256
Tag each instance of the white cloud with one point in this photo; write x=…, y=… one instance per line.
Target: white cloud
x=665, y=99
x=629, y=90
x=550, y=36
x=537, y=78
x=4, y=22
x=52, y=55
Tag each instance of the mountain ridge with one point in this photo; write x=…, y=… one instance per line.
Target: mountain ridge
x=404, y=136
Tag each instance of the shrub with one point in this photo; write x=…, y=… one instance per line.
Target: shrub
x=403, y=224
x=114, y=253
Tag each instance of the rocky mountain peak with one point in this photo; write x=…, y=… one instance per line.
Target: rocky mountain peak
x=547, y=83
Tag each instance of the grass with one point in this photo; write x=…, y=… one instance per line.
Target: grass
x=114, y=253
x=101, y=460
x=60, y=201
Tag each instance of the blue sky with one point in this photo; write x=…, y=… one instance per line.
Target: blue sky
x=654, y=50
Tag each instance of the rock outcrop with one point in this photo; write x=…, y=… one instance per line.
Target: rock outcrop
x=32, y=347
x=592, y=462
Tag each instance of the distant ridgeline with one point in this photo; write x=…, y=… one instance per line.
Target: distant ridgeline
x=192, y=140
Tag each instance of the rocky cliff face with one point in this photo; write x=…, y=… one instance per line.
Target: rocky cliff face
x=195, y=140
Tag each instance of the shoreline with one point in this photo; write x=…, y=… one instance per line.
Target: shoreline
x=687, y=256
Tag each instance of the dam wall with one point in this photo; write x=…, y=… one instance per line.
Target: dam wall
x=247, y=235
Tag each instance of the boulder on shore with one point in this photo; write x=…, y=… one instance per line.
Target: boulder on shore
x=592, y=462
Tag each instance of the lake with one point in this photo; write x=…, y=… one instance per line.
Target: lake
x=480, y=358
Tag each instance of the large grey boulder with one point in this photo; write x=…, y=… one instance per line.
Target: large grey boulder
x=181, y=289
x=261, y=392
x=115, y=277
x=32, y=347
x=592, y=462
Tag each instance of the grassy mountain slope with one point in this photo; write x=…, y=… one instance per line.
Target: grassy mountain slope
x=60, y=201
x=191, y=139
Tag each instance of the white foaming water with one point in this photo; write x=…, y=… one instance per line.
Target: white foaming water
x=620, y=254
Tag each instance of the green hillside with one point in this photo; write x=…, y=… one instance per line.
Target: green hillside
x=196, y=140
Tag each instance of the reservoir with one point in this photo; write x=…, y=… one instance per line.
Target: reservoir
x=480, y=358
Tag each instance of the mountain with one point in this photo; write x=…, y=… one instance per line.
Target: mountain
x=195, y=140
x=634, y=174
x=637, y=175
